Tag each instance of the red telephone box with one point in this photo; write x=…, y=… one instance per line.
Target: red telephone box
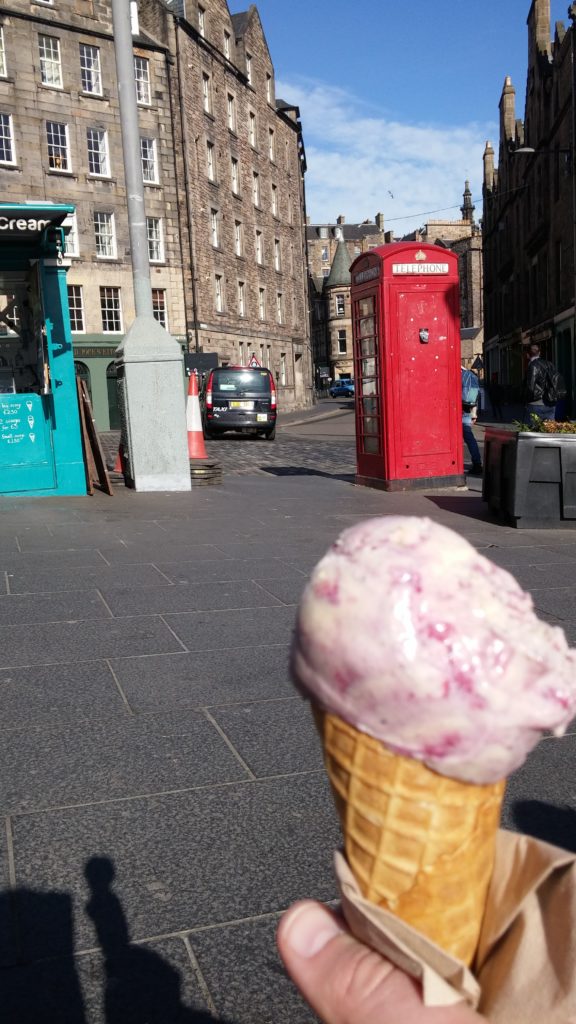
x=406, y=328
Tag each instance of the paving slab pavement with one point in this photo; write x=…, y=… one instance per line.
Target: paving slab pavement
x=161, y=786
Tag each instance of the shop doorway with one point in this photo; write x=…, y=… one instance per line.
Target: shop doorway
x=113, y=407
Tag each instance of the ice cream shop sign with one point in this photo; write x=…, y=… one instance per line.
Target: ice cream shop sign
x=21, y=226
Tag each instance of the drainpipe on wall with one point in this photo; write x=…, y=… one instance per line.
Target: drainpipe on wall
x=187, y=190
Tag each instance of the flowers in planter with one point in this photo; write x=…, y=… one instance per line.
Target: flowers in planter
x=539, y=426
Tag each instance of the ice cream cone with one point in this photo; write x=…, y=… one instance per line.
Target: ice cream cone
x=419, y=844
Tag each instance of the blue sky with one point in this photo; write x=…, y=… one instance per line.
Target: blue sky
x=397, y=98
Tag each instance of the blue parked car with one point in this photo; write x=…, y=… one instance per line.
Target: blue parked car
x=342, y=389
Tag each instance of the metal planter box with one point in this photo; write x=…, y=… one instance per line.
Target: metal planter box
x=530, y=479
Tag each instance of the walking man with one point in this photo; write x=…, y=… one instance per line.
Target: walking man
x=470, y=392
x=543, y=386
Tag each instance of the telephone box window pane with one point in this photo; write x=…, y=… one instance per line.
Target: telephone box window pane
x=369, y=387
x=367, y=326
x=366, y=306
x=371, y=445
x=370, y=406
x=371, y=424
x=368, y=368
x=368, y=347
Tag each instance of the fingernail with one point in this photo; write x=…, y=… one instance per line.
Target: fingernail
x=310, y=928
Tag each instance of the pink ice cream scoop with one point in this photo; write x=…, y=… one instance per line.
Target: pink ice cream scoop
x=410, y=635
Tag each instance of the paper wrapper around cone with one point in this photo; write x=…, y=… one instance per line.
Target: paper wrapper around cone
x=419, y=844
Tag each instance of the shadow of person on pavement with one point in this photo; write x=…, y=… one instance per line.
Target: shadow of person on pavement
x=33, y=988
x=140, y=987
x=556, y=825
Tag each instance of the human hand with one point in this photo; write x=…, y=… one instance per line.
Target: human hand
x=348, y=983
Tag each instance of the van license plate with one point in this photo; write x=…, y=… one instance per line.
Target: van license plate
x=241, y=405
x=261, y=417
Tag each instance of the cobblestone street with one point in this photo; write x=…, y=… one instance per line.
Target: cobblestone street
x=286, y=454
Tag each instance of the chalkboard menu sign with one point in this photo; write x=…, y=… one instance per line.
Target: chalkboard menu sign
x=22, y=430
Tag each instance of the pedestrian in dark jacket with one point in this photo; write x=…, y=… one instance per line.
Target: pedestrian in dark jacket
x=535, y=382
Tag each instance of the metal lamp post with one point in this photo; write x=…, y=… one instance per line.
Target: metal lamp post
x=149, y=361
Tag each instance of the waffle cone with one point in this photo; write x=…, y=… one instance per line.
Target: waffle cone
x=419, y=844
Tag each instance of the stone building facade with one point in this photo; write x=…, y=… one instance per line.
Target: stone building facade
x=60, y=140
x=529, y=282
x=62, y=143
x=332, y=248
x=242, y=195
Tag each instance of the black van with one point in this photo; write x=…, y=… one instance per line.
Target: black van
x=239, y=398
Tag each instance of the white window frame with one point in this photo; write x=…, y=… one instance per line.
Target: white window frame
x=72, y=242
x=238, y=247
x=214, y=229
x=106, y=294
x=259, y=248
x=268, y=88
x=211, y=161
x=219, y=292
x=155, y=235
x=105, y=218
x=274, y=193
x=77, y=307
x=241, y=308
x=325, y=256
x=202, y=21
x=50, y=63
x=7, y=122
x=340, y=339
x=160, y=307
x=340, y=304
x=146, y=142
x=227, y=45
x=90, y=69
x=235, y=175
x=206, y=93
x=283, y=369
x=249, y=68
x=252, y=129
x=3, y=66
x=255, y=188
x=279, y=315
x=102, y=153
x=261, y=303
x=65, y=147
x=142, y=79
x=272, y=144
x=277, y=255
x=231, y=111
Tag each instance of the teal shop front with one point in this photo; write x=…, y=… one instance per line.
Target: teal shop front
x=40, y=441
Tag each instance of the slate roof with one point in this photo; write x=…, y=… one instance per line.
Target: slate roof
x=240, y=23
x=349, y=231
x=340, y=270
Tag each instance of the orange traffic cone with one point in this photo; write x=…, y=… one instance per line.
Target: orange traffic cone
x=119, y=464
x=196, y=446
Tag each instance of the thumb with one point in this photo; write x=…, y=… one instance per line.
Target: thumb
x=345, y=982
